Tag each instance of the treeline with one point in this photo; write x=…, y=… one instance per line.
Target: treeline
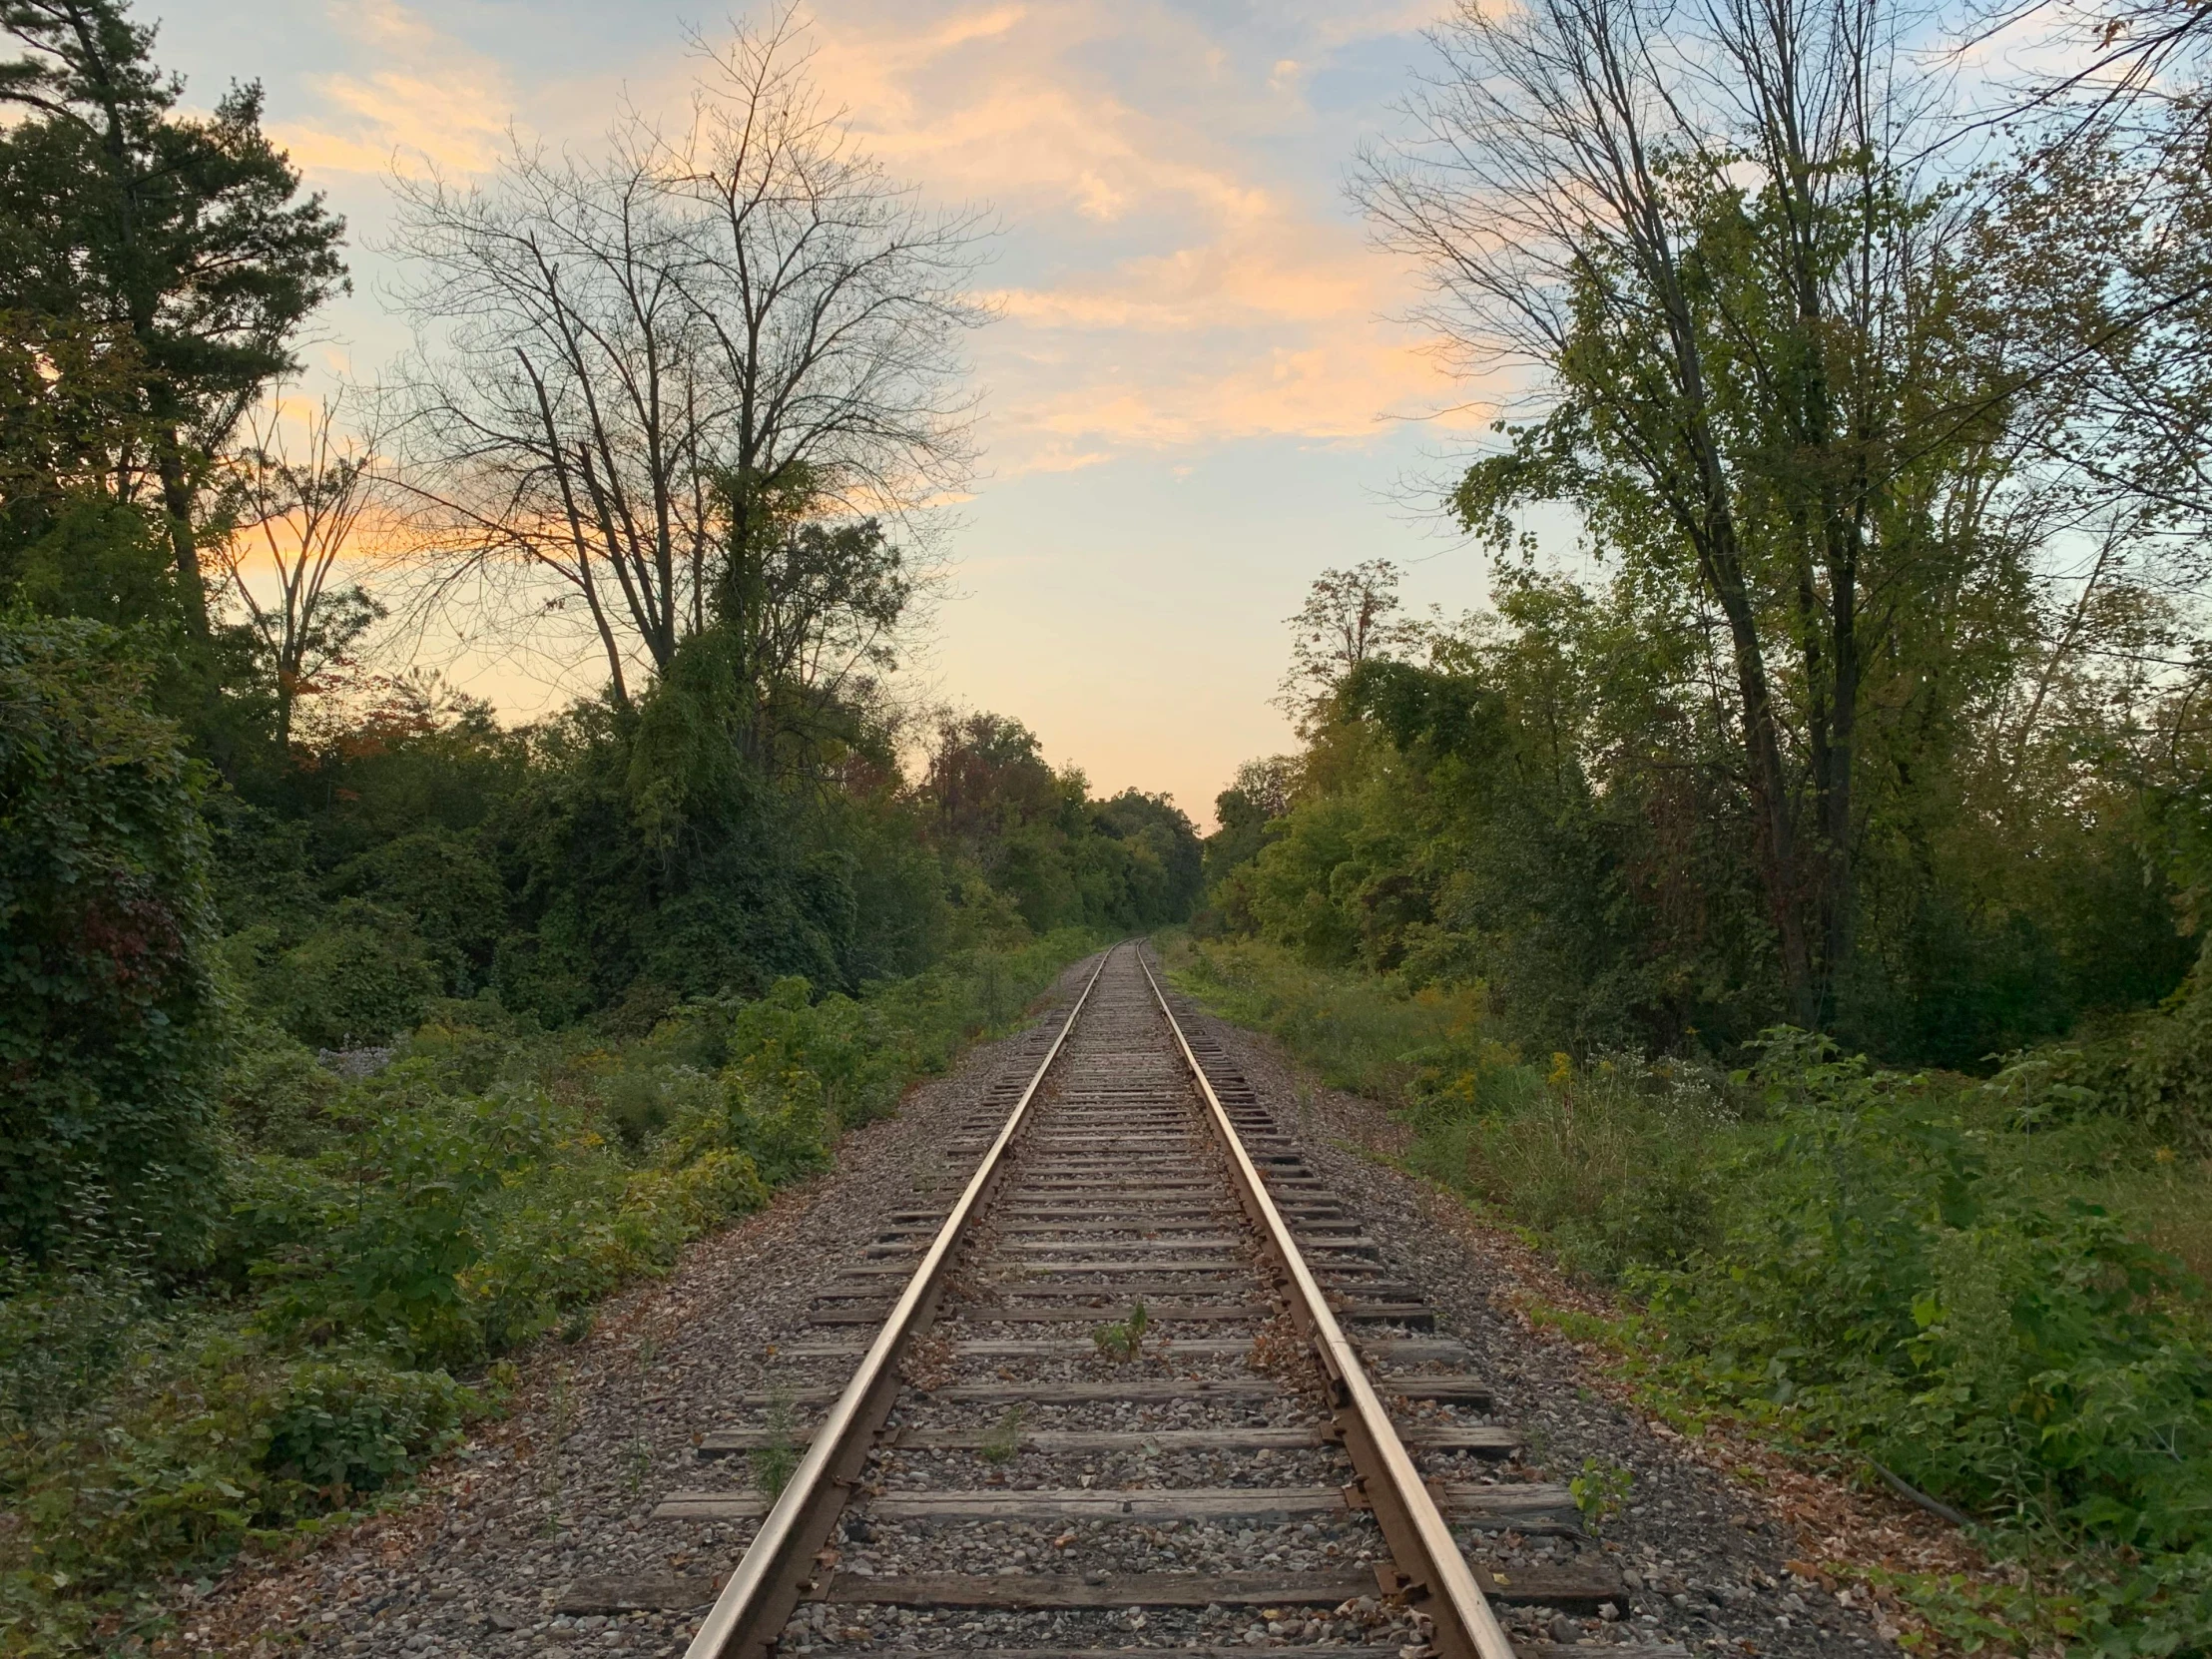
x=230, y=812
x=1785, y=901
x=582, y=988
x=1537, y=800
x=1871, y=697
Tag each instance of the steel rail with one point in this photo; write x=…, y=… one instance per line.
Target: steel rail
x=1435, y=1573
x=761, y=1595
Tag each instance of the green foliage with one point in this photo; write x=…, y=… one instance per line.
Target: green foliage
x=1122, y=1339
x=274, y=1096
x=2152, y=1069
x=1536, y=811
x=108, y=1008
x=360, y=977
x=1061, y=861
x=2002, y=1347
x=173, y=251
x=387, y=1234
x=1003, y=1441
x=775, y=1460
x=441, y=882
x=1900, y=1265
x=1370, y=1033
x=1600, y=1490
x=140, y=1433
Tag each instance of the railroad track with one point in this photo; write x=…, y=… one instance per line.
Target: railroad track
x=1127, y=1376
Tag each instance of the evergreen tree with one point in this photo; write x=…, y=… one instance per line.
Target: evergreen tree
x=164, y=261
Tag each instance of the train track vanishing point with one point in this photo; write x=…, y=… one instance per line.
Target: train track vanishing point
x=1130, y=1267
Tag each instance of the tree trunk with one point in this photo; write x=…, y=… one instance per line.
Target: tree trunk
x=183, y=544
x=1839, y=895
x=1778, y=860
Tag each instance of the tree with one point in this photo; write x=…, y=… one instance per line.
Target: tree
x=560, y=423
x=177, y=248
x=1701, y=231
x=296, y=502
x=810, y=609
x=2095, y=297
x=108, y=1004
x=1349, y=617
x=986, y=775
x=68, y=546
x=835, y=299
x=632, y=365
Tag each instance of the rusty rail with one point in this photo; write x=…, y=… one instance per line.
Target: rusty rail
x=1435, y=1575
x=776, y=1569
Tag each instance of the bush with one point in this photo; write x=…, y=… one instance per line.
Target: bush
x=204, y=1438
x=448, y=892
x=342, y=1428
x=1362, y=1031
x=1614, y=1162
x=2015, y=1352
x=107, y=1010
x=360, y=978
x=1898, y=1267
x=2153, y=1069
x=276, y=1096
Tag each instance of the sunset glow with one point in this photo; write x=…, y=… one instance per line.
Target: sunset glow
x=1196, y=395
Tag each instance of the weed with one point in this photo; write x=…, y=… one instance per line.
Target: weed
x=775, y=1460
x=1124, y=1339
x=641, y=1462
x=1000, y=1444
x=1599, y=1491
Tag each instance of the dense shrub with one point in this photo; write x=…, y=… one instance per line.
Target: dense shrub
x=390, y=1233
x=446, y=889
x=360, y=977
x=1901, y=1268
x=2153, y=1069
x=108, y=1011
x=1877, y=1276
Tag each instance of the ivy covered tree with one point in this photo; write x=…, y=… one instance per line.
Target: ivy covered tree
x=108, y=1009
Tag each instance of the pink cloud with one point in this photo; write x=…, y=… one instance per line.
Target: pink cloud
x=1214, y=298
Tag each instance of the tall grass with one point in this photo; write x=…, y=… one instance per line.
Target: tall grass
x=1359, y=1032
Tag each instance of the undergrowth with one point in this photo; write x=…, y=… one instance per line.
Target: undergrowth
x=385, y=1242
x=1906, y=1270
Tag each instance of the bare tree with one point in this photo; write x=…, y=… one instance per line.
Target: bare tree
x=296, y=502
x=630, y=365
x=835, y=299
x=560, y=425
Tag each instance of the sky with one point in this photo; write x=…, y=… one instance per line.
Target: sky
x=1196, y=397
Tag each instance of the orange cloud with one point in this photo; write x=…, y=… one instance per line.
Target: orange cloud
x=421, y=98
x=1203, y=298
